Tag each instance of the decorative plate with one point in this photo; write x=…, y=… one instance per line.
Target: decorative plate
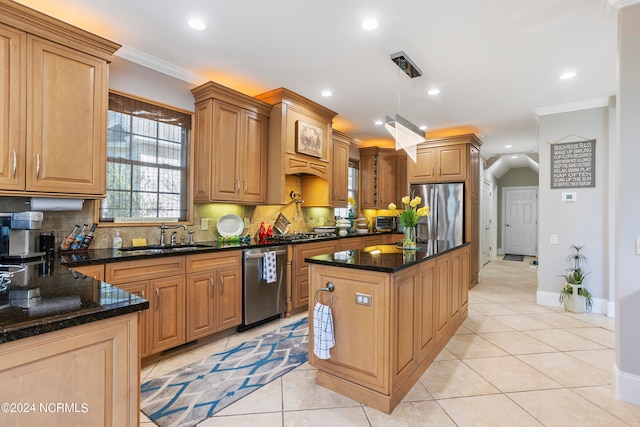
x=230, y=225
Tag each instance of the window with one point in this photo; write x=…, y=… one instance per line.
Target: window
x=352, y=189
x=147, y=162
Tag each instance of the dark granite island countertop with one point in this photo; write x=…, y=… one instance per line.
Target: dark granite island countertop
x=386, y=258
x=66, y=299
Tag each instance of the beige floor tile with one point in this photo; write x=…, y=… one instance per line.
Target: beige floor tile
x=517, y=342
x=511, y=374
x=300, y=392
x=462, y=331
x=564, y=408
x=272, y=419
x=522, y=322
x=604, y=397
x=469, y=346
x=487, y=411
x=411, y=414
x=526, y=307
x=452, y=378
x=602, y=336
x=492, y=309
x=484, y=323
x=567, y=370
x=144, y=420
x=505, y=297
x=445, y=355
x=560, y=320
x=352, y=417
x=600, y=359
x=417, y=393
x=266, y=399
x=563, y=340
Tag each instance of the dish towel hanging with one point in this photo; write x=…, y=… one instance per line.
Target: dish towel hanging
x=323, y=338
x=269, y=267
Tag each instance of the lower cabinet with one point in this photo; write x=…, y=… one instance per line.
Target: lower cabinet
x=189, y=296
x=300, y=279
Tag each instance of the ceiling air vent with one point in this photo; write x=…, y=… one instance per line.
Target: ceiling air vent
x=406, y=64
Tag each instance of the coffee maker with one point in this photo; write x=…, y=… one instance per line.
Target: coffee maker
x=19, y=235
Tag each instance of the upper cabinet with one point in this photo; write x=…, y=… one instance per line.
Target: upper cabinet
x=230, y=143
x=383, y=177
x=299, y=144
x=340, y=166
x=439, y=164
x=54, y=91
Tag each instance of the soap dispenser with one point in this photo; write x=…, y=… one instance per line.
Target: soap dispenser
x=117, y=240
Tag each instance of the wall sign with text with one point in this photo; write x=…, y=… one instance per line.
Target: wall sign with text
x=573, y=164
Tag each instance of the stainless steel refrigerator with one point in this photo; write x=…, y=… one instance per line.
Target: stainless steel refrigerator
x=446, y=202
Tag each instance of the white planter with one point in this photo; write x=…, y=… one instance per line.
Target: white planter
x=575, y=303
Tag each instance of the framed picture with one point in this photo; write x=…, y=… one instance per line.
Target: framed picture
x=309, y=139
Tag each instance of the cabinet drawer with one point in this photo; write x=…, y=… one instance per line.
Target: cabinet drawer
x=128, y=271
x=209, y=261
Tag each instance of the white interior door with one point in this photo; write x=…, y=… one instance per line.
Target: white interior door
x=485, y=226
x=520, y=220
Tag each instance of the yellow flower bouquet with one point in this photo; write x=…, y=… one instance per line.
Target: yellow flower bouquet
x=411, y=213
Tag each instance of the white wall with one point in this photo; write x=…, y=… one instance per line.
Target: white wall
x=627, y=217
x=134, y=79
x=583, y=222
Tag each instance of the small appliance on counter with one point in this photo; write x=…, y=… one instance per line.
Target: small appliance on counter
x=385, y=223
x=19, y=235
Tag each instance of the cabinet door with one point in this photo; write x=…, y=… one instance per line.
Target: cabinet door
x=368, y=194
x=140, y=289
x=404, y=356
x=95, y=271
x=402, y=183
x=300, y=289
x=425, y=298
x=228, y=296
x=452, y=163
x=465, y=264
x=12, y=110
x=200, y=303
x=424, y=169
x=254, y=171
x=167, y=303
x=202, y=146
x=386, y=177
x=442, y=296
x=226, y=151
x=340, y=165
x=351, y=243
x=67, y=118
x=454, y=296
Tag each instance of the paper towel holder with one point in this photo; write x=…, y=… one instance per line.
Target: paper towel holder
x=55, y=204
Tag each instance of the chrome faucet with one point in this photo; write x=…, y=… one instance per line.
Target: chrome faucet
x=173, y=237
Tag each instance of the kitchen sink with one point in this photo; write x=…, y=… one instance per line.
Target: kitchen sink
x=157, y=249
x=151, y=251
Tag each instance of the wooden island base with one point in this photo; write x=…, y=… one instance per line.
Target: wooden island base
x=383, y=349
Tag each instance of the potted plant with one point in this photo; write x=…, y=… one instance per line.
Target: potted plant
x=575, y=297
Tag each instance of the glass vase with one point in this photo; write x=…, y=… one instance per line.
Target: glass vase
x=409, y=241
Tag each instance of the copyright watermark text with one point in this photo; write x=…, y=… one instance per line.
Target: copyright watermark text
x=44, y=407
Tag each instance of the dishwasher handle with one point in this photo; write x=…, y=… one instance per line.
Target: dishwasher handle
x=260, y=255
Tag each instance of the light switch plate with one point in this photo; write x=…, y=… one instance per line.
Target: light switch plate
x=204, y=224
x=554, y=239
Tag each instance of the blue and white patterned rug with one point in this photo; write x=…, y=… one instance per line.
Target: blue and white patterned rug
x=188, y=395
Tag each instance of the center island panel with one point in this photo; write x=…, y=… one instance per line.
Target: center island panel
x=393, y=312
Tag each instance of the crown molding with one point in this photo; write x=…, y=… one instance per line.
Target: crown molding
x=153, y=63
x=572, y=106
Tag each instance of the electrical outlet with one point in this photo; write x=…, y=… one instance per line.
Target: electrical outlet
x=246, y=223
x=363, y=299
x=204, y=224
x=554, y=239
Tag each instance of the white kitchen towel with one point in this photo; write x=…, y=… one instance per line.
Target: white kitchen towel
x=269, y=267
x=323, y=338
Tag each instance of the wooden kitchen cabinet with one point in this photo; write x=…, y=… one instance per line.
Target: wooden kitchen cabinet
x=214, y=293
x=54, y=105
x=167, y=306
x=438, y=164
x=140, y=289
x=340, y=167
x=95, y=271
x=382, y=177
x=300, y=268
x=230, y=142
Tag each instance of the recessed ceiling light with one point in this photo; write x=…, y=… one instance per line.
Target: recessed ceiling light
x=508, y=146
x=196, y=24
x=568, y=75
x=514, y=157
x=433, y=91
x=369, y=24
x=326, y=93
x=378, y=122
x=424, y=127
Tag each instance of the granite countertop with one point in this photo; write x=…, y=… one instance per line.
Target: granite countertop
x=66, y=299
x=386, y=258
x=101, y=256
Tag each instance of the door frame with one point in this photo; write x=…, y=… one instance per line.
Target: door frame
x=490, y=209
x=503, y=237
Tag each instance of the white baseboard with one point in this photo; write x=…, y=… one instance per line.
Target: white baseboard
x=627, y=386
x=600, y=306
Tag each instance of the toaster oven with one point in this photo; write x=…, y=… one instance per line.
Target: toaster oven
x=385, y=223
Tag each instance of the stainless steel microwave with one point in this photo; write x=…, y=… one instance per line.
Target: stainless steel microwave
x=385, y=223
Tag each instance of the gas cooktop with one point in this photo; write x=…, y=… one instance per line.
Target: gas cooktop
x=301, y=237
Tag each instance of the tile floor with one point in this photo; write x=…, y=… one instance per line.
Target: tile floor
x=512, y=363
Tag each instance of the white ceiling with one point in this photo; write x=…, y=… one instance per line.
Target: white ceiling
x=495, y=61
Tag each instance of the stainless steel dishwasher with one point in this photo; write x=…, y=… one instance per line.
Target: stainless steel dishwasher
x=262, y=301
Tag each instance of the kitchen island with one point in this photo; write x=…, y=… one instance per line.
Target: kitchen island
x=393, y=312
x=68, y=345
